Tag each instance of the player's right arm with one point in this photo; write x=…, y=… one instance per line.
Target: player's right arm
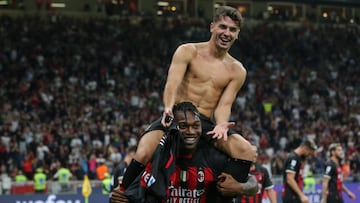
x=228, y=186
x=290, y=180
x=179, y=63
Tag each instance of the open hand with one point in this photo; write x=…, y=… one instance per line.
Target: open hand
x=220, y=130
x=351, y=195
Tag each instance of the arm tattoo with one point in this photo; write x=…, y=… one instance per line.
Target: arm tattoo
x=250, y=188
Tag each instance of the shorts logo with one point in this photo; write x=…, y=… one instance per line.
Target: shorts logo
x=201, y=176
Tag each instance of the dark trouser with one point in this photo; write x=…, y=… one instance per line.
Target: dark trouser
x=293, y=199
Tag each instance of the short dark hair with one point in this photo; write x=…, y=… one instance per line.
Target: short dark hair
x=184, y=107
x=231, y=12
x=310, y=144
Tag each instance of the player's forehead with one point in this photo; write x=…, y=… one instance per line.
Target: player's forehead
x=227, y=21
x=338, y=148
x=186, y=116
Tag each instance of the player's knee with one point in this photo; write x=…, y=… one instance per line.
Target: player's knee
x=250, y=151
x=147, y=146
x=247, y=151
x=142, y=155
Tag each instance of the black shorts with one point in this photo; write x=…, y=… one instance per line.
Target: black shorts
x=206, y=123
x=292, y=199
x=334, y=199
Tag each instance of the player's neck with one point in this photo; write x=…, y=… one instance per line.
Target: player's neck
x=298, y=151
x=336, y=160
x=216, y=51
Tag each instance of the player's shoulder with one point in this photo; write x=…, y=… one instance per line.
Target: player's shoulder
x=330, y=163
x=236, y=64
x=187, y=50
x=190, y=47
x=292, y=157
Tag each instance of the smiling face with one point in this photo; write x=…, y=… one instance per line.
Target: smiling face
x=224, y=32
x=190, y=128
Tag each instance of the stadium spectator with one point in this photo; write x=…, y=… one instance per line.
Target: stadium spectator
x=63, y=176
x=20, y=178
x=40, y=181
x=5, y=180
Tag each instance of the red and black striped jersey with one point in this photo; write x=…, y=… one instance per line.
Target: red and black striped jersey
x=292, y=164
x=335, y=174
x=194, y=178
x=263, y=178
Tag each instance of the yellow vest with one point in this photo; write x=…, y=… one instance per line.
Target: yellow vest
x=20, y=178
x=40, y=181
x=309, y=183
x=106, y=185
x=64, y=175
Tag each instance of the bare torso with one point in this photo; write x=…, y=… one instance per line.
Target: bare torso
x=206, y=78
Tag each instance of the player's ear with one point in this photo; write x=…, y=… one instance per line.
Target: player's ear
x=212, y=25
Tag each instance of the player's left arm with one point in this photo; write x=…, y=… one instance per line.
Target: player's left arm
x=236, y=146
x=348, y=192
x=272, y=195
x=222, y=111
x=268, y=185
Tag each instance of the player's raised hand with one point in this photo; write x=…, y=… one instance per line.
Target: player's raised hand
x=220, y=130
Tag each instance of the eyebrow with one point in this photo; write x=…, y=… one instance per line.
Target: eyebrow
x=231, y=27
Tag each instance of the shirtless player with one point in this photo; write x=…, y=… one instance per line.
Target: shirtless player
x=205, y=74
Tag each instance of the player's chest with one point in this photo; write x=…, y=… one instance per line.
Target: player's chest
x=211, y=71
x=193, y=177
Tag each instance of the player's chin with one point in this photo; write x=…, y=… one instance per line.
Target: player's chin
x=225, y=44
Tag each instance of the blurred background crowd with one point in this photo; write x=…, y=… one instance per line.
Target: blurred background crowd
x=77, y=93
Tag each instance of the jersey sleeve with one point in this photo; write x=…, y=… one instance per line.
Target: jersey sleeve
x=118, y=172
x=291, y=164
x=267, y=181
x=329, y=170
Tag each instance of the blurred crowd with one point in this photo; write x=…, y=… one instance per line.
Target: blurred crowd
x=79, y=92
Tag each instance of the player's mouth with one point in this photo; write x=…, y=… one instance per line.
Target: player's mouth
x=225, y=40
x=190, y=140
